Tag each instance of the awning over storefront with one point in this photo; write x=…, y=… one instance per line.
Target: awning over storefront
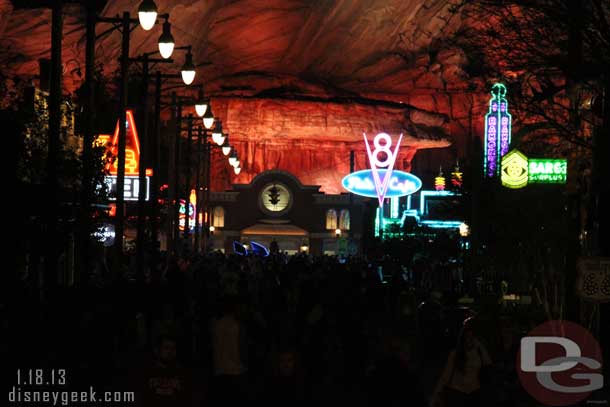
x=274, y=230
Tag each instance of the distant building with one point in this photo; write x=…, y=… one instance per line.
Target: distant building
x=275, y=206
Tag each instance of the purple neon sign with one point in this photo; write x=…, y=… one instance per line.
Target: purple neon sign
x=382, y=143
x=497, y=130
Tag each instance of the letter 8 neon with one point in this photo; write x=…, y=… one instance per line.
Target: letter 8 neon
x=385, y=148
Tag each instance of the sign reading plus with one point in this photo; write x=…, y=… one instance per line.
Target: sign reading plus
x=382, y=157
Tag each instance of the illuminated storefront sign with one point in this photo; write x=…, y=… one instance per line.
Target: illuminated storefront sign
x=182, y=210
x=132, y=160
x=497, y=130
x=518, y=170
x=381, y=180
x=131, y=189
x=400, y=183
x=105, y=234
x=132, y=147
x=548, y=171
x=514, y=170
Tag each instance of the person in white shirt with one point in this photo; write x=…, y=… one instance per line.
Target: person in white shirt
x=459, y=384
x=229, y=349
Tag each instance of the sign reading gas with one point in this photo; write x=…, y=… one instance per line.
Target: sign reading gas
x=400, y=183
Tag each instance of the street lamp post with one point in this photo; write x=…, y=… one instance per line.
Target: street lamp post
x=125, y=27
x=187, y=160
x=197, y=230
x=145, y=158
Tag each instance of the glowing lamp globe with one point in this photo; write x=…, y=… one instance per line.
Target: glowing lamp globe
x=166, y=41
x=233, y=158
x=217, y=135
x=200, y=108
x=237, y=170
x=226, y=147
x=188, y=69
x=208, y=118
x=147, y=14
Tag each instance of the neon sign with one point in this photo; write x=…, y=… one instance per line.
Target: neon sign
x=182, y=212
x=131, y=187
x=456, y=177
x=132, y=147
x=514, y=172
x=439, y=181
x=497, y=130
x=399, y=184
x=548, y=171
x=379, y=165
x=518, y=170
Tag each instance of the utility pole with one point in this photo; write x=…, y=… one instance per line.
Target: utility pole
x=120, y=183
x=155, y=158
x=52, y=253
x=85, y=227
x=187, y=192
x=197, y=230
x=143, y=189
x=176, y=179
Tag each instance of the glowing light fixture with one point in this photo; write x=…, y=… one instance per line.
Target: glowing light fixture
x=217, y=135
x=439, y=181
x=233, y=158
x=456, y=177
x=212, y=229
x=202, y=105
x=208, y=118
x=147, y=14
x=464, y=229
x=166, y=41
x=338, y=232
x=226, y=147
x=237, y=170
x=188, y=69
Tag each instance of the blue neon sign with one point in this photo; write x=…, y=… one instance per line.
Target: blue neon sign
x=400, y=184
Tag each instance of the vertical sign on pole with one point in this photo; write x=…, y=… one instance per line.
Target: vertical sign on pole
x=498, y=123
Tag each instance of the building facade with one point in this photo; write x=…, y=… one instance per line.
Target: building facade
x=276, y=206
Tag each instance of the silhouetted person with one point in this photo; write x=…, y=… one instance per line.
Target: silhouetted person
x=392, y=381
x=229, y=350
x=460, y=384
x=165, y=382
x=285, y=384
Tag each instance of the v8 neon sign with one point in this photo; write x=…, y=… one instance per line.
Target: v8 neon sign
x=382, y=143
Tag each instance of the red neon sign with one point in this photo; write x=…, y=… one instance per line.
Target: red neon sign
x=132, y=147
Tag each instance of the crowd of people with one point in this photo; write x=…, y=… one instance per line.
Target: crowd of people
x=220, y=329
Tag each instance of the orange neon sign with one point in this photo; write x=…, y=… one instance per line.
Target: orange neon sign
x=132, y=147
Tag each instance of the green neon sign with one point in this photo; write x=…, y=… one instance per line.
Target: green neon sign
x=517, y=170
x=547, y=171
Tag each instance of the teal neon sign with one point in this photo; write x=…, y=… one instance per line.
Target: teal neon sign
x=400, y=183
